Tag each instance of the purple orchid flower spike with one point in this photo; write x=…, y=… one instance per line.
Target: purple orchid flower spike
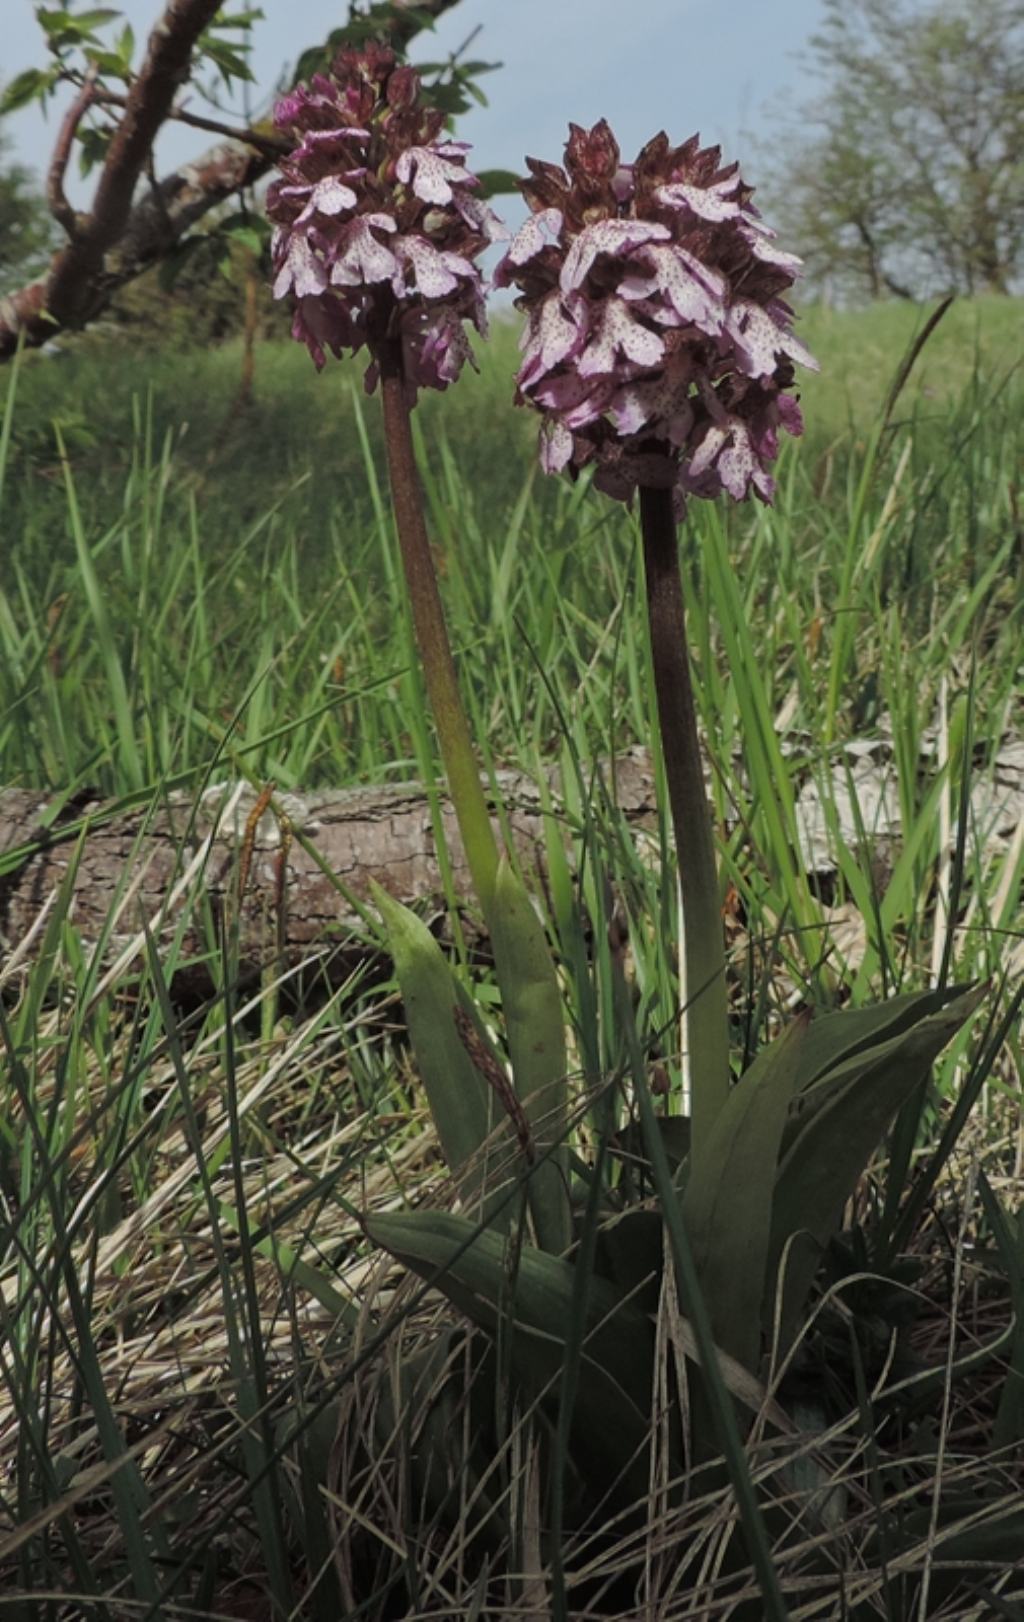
x=658, y=345
x=377, y=228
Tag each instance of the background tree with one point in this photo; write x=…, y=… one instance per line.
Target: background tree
x=115, y=113
x=26, y=230
x=913, y=180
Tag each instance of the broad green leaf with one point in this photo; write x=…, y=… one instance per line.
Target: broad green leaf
x=108, y=62
x=247, y=237
x=820, y=1170
x=836, y=1056
x=611, y=1418
x=834, y=1037
x=618, y=1334
x=727, y=1207
x=22, y=88
x=1008, y=1233
x=462, y=1109
x=94, y=144
x=231, y=64
x=535, y=1027
x=52, y=22
x=438, y=1407
x=94, y=19
x=630, y=1252
x=238, y=19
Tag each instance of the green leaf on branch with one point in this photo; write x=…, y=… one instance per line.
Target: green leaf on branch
x=109, y=62
x=498, y=182
x=52, y=22
x=63, y=28
x=94, y=19
x=246, y=236
x=93, y=144
x=173, y=263
x=238, y=19
x=24, y=87
x=228, y=61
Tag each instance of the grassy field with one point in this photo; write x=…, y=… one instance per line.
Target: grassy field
x=192, y=589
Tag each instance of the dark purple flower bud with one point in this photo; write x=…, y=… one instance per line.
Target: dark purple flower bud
x=377, y=228
x=658, y=347
x=592, y=156
x=403, y=88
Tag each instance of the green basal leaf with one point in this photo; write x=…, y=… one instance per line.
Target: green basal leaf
x=820, y=1167
x=727, y=1207
x=476, y=1263
x=1008, y=1233
x=532, y=1309
x=833, y=1056
x=463, y=1110
x=630, y=1253
x=535, y=1027
x=835, y=1037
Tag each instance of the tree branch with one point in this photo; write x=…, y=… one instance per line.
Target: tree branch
x=120, y=238
x=271, y=145
x=59, y=206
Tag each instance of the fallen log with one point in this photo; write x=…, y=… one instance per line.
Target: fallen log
x=289, y=872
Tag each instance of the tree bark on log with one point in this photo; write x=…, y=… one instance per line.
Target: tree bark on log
x=272, y=870
x=188, y=863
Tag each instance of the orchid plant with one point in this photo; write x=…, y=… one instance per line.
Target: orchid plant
x=659, y=350
x=378, y=234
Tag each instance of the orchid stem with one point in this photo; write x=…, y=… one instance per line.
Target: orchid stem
x=706, y=1012
x=460, y=763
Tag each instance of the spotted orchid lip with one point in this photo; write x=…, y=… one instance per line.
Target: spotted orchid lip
x=658, y=345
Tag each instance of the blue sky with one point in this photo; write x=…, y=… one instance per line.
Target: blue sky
x=682, y=65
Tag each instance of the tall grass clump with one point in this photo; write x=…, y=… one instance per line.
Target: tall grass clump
x=617, y=1245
